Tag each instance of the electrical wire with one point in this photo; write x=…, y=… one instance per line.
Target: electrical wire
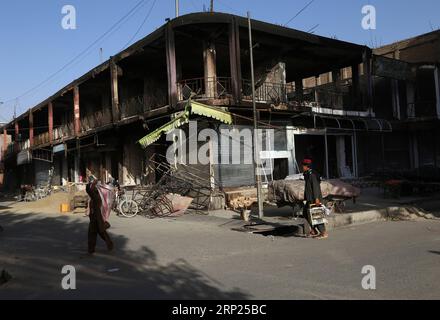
x=120, y=21
x=299, y=12
x=140, y=27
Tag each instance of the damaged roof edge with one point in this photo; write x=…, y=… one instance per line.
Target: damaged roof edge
x=194, y=18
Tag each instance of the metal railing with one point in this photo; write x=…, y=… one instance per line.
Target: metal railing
x=266, y=92
x=204, y=88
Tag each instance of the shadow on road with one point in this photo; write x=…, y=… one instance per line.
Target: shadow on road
x=35, y=248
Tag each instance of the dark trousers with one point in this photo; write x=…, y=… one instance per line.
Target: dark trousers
x=308, y=218
x=97, y=227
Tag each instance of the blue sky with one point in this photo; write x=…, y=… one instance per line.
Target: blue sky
x=33, y=45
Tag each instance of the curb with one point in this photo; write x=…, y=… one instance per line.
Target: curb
x=405, y=213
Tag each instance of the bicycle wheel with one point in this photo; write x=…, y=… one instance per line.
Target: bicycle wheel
x=129, y=208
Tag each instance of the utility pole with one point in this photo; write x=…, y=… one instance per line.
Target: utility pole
x=255, y=144
x=177, y=8
x=212, y=5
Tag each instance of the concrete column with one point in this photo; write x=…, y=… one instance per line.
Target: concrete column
x=210, y=68
x=31, y=128
x=50, y=120
x=76, y=111
x=171, y=66
x=437, y=89
x=114, y=74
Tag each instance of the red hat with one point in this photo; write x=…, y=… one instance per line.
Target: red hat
x=307, y=162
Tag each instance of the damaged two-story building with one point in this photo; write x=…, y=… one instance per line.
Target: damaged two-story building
x=316, y=93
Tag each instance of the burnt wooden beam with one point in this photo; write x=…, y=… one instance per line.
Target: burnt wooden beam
x=171, y=66
x=76, y=111
x=115, y=71
x=31, y=128
x=235, y=60
x=50, y=120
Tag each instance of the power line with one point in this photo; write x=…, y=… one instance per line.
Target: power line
x=299, y=12
x=142, y=24
x=128, y=14
x=312, y=29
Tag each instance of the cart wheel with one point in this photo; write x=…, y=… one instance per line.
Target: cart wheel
x=128, y=208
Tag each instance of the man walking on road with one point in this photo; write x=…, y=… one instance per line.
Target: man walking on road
x=97, y=224
x=313, y=197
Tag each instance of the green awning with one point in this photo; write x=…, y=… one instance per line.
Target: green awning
x=207, y=111
x=191, y=108
x=168, y=127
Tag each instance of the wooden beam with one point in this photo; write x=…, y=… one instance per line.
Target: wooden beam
x=114, y=74
x=31, y=128
x=50, y=120
x=17, y=133
x=171, y=66
x=235, y=60
x=76, y=111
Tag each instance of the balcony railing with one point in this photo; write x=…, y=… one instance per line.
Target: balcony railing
x=63, y=131
x=267, y=92
x=139, y=105
x=41, y=139
x=95, y=120
x=204, y=88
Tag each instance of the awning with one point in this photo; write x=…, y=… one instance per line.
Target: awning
x=353, y=124
x=191, y=108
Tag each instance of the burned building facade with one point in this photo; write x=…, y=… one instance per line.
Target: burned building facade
x=318, y=94
x=407, y=93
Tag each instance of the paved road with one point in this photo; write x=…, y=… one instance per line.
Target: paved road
x=200, y=258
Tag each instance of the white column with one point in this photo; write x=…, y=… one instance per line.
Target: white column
x=291, y=149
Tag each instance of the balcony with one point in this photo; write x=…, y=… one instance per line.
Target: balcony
x=333, y=96
x=96, y=120
x=63, y=131
x=41, y=139
x=201, y=88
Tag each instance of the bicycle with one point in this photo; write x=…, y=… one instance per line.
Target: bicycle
x=124, y=206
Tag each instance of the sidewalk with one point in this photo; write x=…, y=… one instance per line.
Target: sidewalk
x=370, y=207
